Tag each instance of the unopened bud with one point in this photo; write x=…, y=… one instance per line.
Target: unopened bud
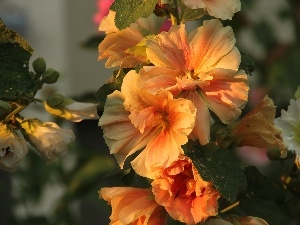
x=50, y=76
x=39, y=65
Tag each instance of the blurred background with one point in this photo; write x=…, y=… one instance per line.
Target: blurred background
x=66, y=191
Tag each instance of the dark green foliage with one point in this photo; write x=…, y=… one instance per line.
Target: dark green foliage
x=187, y=14
x=15, y=80
x=266, y=210
x=129, y=11
x=261, y=187
x=9, y=36
x=220, y=167
x=247, y=64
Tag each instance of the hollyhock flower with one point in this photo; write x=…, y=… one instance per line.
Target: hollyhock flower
x=183, y=193
x=12, y=148
x=126, y=48
x=202, y=67
x=67, y=108
x=103, y=9
x=133, y=206
x=134, y=119
x=257, y=128
x=289, y=122
x=48, y=138
x=217, y=8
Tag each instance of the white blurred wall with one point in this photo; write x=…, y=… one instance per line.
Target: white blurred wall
x=55, y=29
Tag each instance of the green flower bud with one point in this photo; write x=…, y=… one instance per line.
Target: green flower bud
x=39, y=65
x=67, y=108
x=50, y=76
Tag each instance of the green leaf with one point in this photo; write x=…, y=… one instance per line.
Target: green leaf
x=15, y=52
x=188, y=14
x=129, y=11
x=129, y=177
x=268, y=211
x=220, y=167
x=262, y=187
x=15, y=80
x=10, y=36
x=247, y=64
x=108, y=88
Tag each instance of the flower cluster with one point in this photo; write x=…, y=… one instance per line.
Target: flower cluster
x=183, y=89
x=18, y=89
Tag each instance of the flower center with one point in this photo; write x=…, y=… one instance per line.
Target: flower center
x=191, y=75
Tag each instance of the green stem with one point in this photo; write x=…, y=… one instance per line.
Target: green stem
x=175, y=18
x=230, y=207
x=14, y=112
x=38, y=100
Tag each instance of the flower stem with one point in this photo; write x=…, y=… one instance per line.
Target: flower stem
x=14, y=112
x=175, y=17
x=230, y=207
x=38, y=100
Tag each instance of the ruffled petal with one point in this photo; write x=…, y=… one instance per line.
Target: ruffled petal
x=170, y=49
x=222, y=9
x=226, y=94
x=120, y=135
x=202, y=122
x=212, y=46
x=134, y=206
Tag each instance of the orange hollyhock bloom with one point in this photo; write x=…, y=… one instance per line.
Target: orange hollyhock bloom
x=134, y=119
x=133, y=206
x=257, y=128
x=125, y=48
x=184, y=194
x=202, y=67
x=217, y=8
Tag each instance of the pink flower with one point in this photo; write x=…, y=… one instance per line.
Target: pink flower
x=223, y=9
x=184, y=194
x=126, y=48
x=103, y=8
x=134, y=119
x=201, y=67
x=133, y=206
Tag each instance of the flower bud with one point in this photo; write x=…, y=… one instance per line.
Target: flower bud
x=48, y=138
x=50, y=76
x=67, y=108
x=39, y=65
x=12, y=148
